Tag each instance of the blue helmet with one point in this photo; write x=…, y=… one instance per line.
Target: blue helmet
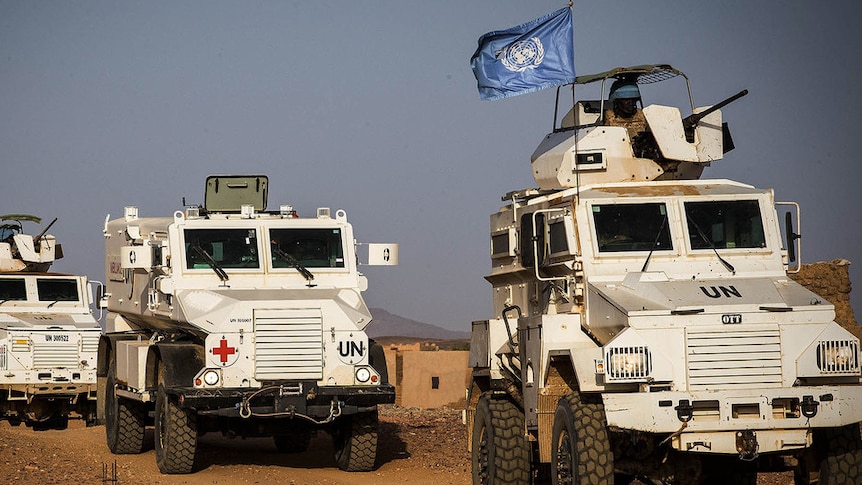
x=624, y=89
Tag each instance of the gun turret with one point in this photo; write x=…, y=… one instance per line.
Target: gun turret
x=25, y=253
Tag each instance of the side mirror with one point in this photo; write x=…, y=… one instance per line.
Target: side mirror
x=790, y=236
x=100, y=301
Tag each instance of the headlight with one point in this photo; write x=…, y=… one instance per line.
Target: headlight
x=211, y=377
x=628, y=363
x=363, y=374
x=838, y=356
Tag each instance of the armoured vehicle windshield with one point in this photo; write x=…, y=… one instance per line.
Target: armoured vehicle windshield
x=13, y=289
x=237, y=248
x=632, y=227
x=228, y=248
x=725, y=224
x=48, y=289
x=57, y=289
x=312, y=248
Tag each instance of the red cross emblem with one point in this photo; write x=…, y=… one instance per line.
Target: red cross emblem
x=223, y=351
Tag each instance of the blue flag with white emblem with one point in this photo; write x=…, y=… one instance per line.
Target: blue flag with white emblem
x=526, y=58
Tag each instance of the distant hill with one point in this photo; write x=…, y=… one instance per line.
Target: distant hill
x=385, y=324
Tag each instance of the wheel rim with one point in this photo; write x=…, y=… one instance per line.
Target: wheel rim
x=564, y=458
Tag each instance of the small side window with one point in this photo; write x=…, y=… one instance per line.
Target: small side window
x=558, y=237
x=528, y=258
x=503, y=243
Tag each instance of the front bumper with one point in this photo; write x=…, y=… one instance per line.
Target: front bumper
x=48, y=383
x=284, y=399
x=712, y=421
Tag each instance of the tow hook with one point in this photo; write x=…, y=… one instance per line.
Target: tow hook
x=684, y=411
x=244, y=408
x=809, y=406
x=746, y=445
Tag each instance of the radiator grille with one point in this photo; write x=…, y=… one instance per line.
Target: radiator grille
x=90, y=343
x=746, y=358
x=288, y=344
x=63, y=355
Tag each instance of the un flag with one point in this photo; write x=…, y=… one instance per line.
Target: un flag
x=526, y=58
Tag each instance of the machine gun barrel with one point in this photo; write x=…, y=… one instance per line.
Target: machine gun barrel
x=691, y=121
x=44, y=231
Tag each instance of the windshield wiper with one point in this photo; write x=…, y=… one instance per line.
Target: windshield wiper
x=655, y=242
x=219, y=271
x=293, y=262
x=711, y=245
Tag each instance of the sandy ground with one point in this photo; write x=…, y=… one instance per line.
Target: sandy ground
x=415, y=447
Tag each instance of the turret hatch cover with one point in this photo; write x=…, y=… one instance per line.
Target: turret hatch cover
x=228, y=193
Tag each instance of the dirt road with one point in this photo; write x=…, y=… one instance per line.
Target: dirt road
x=415, y=447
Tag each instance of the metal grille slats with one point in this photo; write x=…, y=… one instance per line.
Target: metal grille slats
x=288, y=344
x=838, y=364
x=747, y=357
x=53, y=355
x=90, y=343
x=628, y=363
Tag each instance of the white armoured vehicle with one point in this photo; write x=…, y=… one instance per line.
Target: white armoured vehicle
x=48, y=335
x=231, y=319
x=646, y=325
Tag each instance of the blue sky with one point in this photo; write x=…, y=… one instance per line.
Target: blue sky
x=371, y=107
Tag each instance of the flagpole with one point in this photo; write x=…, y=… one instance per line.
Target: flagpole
x=575, y=131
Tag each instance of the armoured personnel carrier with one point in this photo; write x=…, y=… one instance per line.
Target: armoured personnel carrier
x=646, y=326
x=229, y=318
x=48, y=334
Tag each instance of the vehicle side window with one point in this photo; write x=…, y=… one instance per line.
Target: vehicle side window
x=13, y=289
x=228, y=248
x=632, y=227
x=310, y=248
x=725, y=224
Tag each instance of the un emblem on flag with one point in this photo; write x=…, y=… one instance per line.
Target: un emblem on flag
x=523, y=54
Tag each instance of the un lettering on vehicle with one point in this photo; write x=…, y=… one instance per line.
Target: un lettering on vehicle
x=53, y=338
x=351, y=351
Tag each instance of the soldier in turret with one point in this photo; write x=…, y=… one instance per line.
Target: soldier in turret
x=624, y=97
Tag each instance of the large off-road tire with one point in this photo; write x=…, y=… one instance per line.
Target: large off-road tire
x=501, y=452
x=176, y=433
x=581, y=453
x=355, y=441
x=124, y=420
x=292, y=440
x=839, y=453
